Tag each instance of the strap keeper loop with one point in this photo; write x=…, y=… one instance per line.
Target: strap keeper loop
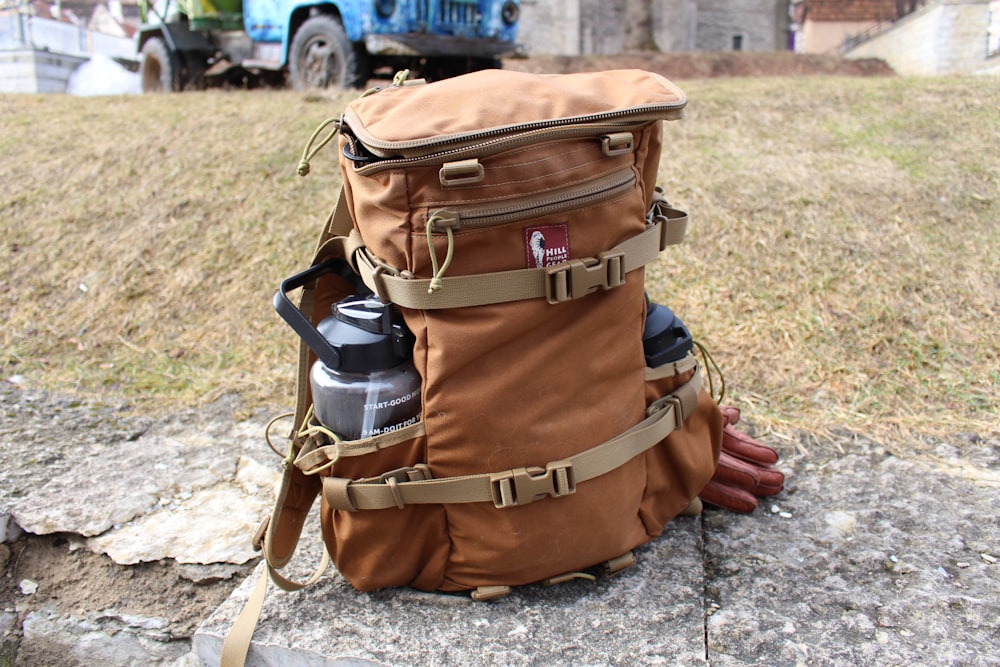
x=336, y=492
x=669, y=401
x=673, y=226
x=393, y=485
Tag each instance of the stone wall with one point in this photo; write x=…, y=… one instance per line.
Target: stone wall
x=550, y=26
x=751, y=25
x=946, y=38
x=30, y=70
x=583, y=27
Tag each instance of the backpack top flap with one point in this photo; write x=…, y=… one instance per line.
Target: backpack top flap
x=410, y=122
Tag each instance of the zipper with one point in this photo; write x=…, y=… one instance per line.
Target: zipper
x=600, y=190
x=448, y=221
x=639, y=115
x=366, y=162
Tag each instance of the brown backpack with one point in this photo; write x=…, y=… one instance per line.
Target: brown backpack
x=508, y=218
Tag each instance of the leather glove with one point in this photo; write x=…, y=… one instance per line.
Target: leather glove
x=744, y=472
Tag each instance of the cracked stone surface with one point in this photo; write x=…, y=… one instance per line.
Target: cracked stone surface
x=651, y=613
x=177, y=488
x=866, y=558
x=120, y=532
x=872, y=555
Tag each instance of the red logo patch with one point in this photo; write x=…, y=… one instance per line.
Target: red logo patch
x=546, y=245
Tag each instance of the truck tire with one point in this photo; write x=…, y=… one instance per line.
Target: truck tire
x=159, y=67
x=321, y=56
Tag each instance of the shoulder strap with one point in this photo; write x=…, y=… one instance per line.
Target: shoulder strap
x=279, y=535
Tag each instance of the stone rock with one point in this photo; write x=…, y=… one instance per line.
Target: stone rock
x=180, y=487
x=112, y=484
x=651, y=613
x=101, y=639
x=9, y=530
x=212, y=525
x=866, y=571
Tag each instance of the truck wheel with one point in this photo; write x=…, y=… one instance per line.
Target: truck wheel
x=159, y=67
x=321, y=56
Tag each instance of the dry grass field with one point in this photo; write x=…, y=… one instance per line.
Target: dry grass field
x=841, y=265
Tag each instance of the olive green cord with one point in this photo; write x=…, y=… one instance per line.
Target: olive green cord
x=267, y=431
x=309, y=152
x=709, y=366
x=438, y=273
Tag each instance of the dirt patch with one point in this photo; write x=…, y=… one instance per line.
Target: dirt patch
x=76, y=583
x=55, y=593
x=48, y=577
x=703, y=65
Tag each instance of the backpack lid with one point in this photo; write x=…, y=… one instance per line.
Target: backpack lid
x=417, y=120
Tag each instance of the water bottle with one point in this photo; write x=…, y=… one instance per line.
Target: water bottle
x=375, y=388
x=664, y=338
x=363, y=382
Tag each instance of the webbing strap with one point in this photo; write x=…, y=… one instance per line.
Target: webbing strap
x=312, y=458
x=569, y=280
x=236, y=645
x=522, y=485
x=671, y=369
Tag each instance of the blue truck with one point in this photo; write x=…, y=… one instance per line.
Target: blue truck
x=315, y=44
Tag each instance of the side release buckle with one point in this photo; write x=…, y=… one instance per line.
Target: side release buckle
x=522, y=486
x=579, y=277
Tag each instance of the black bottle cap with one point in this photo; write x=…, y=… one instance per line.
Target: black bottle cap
x=366, y=334
x=665, y=338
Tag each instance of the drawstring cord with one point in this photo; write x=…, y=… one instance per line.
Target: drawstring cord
x=709, y=365
x=308, y=430
x=438, y=273
x=308, y=153
x=267, y=431
x=311, y=430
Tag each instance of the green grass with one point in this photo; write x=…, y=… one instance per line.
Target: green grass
x=841, y=263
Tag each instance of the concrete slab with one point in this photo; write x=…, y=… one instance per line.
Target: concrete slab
x=650, y=614
x=866, y=558
x=869, y=559
x=184, y=487
x=872, y=555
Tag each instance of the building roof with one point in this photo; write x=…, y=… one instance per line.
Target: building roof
x=858, y=10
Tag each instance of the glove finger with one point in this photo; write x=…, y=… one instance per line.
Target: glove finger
x=731, y=414
x=751, y=478
x=744, y=447
x=728, y=497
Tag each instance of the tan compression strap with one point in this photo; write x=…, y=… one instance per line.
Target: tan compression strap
x=287, y=519
x=671, y=368
x=236, y=645
x=312, y=459
x=523, y=485
x=555, y=283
